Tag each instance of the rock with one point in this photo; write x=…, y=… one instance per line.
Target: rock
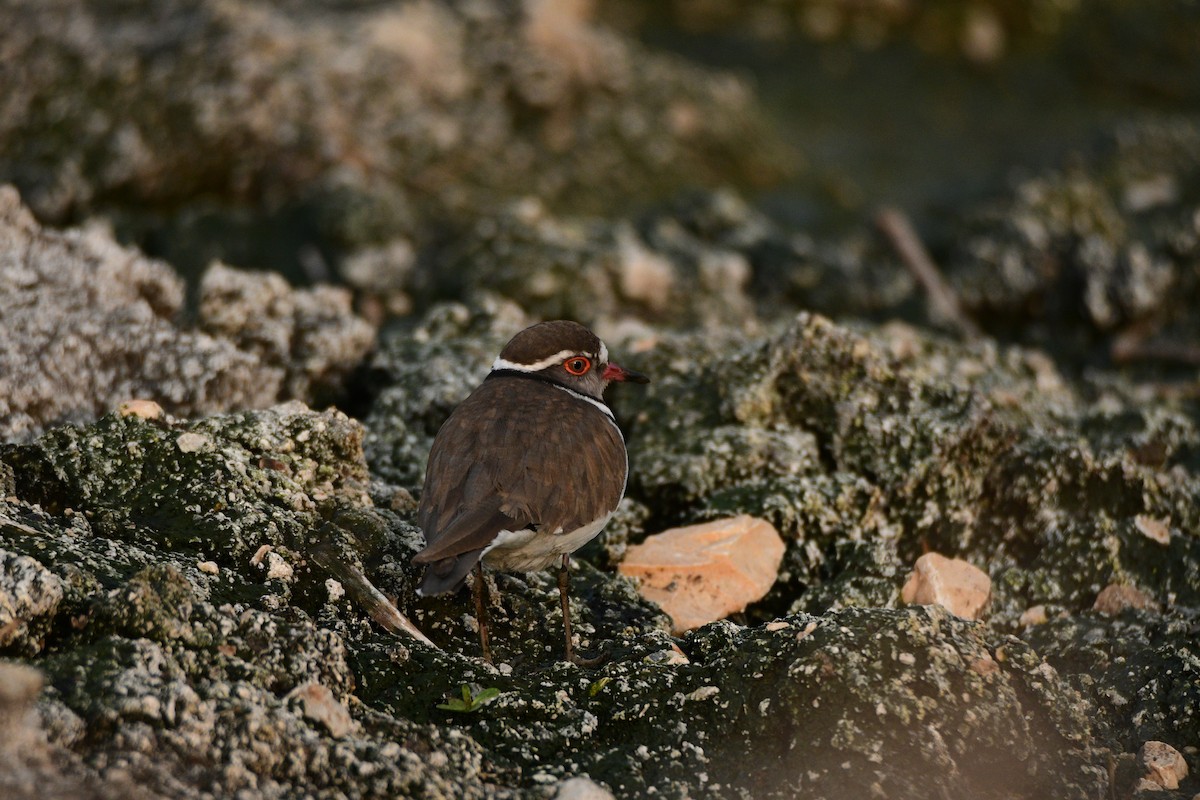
x=959, y=587
x=1154, y=529
x=1164, y=765
x=1090, y=240
x=495, y=101
x=318, y=704
x=1034, y=615
x=146, y=409
x=29, y=599
x=90, y=323
x=581, y=788
x=702, y=573
x=312, y=335
x=19, y=687
x=1115, y=598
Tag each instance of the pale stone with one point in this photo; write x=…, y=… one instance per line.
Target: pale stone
x=277, y=567
x=260, y=554
x=1115, y=598
x=209, y=567
x=1034, y=615
x=318, y=704
x=191, y=442
x=581, y=788
x=1153, y=528
x=702, y=573
x=146, y=409
x=959, y=587
x=1163, y=764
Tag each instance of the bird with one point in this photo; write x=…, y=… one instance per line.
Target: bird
x=527, y=469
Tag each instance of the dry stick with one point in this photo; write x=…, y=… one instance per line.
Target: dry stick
x=366, y=595
x=1133, y=346
x=944, y=300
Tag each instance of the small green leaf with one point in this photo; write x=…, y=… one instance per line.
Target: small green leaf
x=470, y=702
x=598, y=686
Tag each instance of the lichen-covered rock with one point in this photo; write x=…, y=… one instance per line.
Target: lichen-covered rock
x=89, y=324
x=1090, y=253
x=1140, y=670
x=708, y=259
x=312, y=335
x=191, y=679
x=29, y=598
x=838, y=436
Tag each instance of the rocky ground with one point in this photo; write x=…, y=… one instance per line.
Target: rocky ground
x=187, y=539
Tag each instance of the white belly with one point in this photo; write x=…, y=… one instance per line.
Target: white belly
x=529, y=551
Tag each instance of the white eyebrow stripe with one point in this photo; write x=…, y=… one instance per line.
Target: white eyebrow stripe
x=557, y=358
x=607, y=411
x=603, y=353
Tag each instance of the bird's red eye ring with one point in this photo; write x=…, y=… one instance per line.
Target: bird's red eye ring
x=577, y=365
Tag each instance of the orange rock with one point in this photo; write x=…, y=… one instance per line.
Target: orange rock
x=1164, y=765
x=1116, y=597
x=952, y=583
x=146, y=409
x=702, y=573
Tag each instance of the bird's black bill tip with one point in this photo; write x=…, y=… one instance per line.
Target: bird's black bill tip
x=615, y=372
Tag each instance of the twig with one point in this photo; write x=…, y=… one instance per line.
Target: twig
x=366, y=595
x=943, y=300
x=1134, y=346
x=9, y=522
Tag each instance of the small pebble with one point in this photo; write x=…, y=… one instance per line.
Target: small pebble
x=1153, y=528
x=1115, y=598
x=191, y=442
x=1164, y=765
x=144, y=409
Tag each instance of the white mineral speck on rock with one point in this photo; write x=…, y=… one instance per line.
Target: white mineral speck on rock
x=703, y=693
x=260, y=554
x=277, y=567
x=581, y=787
x=191, y=442
x=208, y=567
x=335, y=589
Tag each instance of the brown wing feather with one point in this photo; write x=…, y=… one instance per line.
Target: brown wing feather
x=536, y=472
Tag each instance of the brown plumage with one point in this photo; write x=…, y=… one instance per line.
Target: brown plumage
x=530, y=466
x=558, y=464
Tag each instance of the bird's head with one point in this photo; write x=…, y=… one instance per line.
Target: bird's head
x=566, y=353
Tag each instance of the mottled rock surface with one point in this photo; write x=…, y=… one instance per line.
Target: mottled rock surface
x=89, y=324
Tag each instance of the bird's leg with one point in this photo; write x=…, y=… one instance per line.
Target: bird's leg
x=563, y=579
x=481, y=612
x=563, y=586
